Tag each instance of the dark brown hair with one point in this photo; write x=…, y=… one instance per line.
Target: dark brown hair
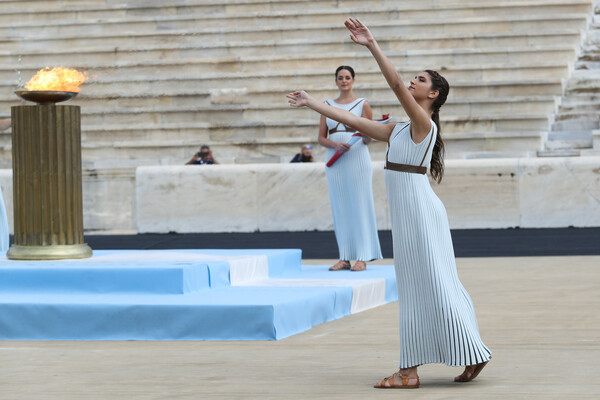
x=347, y=68
x=440, y=84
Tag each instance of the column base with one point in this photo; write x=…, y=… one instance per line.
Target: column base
x=50, y=252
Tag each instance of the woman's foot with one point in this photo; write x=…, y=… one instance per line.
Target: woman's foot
x=470, y=372
x=400, y=380
x=340, y=265
x=359, y=266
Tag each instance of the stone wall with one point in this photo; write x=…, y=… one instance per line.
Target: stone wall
x=482, y=193
x=108, y=200
x=526, y=192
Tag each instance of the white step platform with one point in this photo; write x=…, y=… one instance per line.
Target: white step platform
x=181, y=295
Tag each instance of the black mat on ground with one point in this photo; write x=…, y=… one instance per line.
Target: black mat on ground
x=467, y=242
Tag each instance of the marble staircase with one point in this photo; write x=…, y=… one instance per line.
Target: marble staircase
x=170, y=76
x=577, y=122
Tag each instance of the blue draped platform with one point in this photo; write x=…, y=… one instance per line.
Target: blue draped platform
x=181, y=295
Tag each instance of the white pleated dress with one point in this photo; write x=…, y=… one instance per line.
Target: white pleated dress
x=437, y=319
x=350, y=182
x=4, y=234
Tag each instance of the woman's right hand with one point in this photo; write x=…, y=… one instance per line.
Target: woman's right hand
x=359, y=33
x=343, y=147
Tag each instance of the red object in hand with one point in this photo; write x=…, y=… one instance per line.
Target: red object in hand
x=353, y=140
x=338, y=153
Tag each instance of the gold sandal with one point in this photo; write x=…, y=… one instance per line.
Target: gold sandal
x=398, y=381
x=470, y=372
x=359, y=266
x=340, y=265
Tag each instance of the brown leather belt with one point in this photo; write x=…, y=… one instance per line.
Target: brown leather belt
x=413, y=169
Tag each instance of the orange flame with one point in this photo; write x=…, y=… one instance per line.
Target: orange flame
x=57, y=79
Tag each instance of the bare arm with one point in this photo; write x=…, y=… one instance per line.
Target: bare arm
x=420, y=120
x=5, y=123
x=367, y=112
x=211, y=157
x=326, y=142
x=193, y=160
x=372, y=129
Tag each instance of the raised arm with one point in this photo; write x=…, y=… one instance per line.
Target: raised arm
x=419, y=118
x=370, y=128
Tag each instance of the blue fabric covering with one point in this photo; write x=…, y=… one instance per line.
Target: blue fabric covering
x=372, y=272
x=157, y=278
x=235, y=313
x=167, y=300
x=280, y=260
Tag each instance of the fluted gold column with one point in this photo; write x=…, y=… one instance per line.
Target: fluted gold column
x=48, y=206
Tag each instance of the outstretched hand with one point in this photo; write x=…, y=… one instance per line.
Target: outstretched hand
x=359, y=33
x=298, y=99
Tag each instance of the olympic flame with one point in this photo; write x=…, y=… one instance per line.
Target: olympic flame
x=57, y=79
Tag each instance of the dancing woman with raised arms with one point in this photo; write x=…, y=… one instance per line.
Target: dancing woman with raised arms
x=437, y=319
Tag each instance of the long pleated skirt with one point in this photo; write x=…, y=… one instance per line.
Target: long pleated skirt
x=350, y=182
x=437, y=319
x=4, y=242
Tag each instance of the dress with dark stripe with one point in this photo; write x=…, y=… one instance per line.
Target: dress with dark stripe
x=437, y=319
x=350, y=182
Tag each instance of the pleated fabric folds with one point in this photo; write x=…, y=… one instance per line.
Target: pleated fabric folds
x=350, y=182
x=437, y=319
x=4, y=234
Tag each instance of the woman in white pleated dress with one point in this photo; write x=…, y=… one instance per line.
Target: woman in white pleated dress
x=350, y=180
x=4, y=235
x=437, y=319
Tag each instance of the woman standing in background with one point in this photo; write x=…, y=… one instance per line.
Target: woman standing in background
x=350, y=180
x=4, y=235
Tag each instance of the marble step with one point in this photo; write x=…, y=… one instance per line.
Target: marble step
x=589, y=58
x=468, y=98
x=190, y=17
x=575, y=101
x=305, y=61
x=483, y=40
x=43, y=5
x=583, y=82
x=577, y=115
x=559, y=153
x=381, y=101
x=110, y=154
x=476, y=100
x=223, y=114
x=379, y=98
x=136, y=131
x=42, y=10
x=576, y=123
x=127, y=53
x=459, y=89
x=284, y=71
x=132, y=36
x=562, y=140
x=202, y=84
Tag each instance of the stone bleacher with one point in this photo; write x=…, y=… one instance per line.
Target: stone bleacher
x=577, y=123
x=170, y=76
